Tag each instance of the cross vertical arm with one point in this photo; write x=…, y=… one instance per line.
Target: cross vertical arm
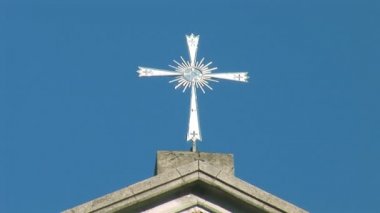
x=194, y=132
x=192, y=44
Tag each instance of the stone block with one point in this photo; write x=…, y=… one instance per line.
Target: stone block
x=167, y=160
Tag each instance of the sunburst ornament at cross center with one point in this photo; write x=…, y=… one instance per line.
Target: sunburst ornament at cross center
x=193, y=74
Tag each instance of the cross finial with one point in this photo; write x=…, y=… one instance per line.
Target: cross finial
x=193, y=74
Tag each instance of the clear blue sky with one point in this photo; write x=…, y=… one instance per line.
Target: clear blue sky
x=76, y=122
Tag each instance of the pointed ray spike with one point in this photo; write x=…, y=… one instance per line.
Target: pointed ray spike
x=183, y=60
x=185, y=64
x=173, y=67
x=176, y=62
x=211, y=79
x=182, y=66
x=188, y=63
x=187, y=84
x=204, y=66
x=212, y=69
x=197, y=63
x=209, y=63
x=203, y=83
x=179, y=65
x=202, y=60
x=200, y=86
x=174, y=80
x=206, y=84
x=178, y=85
x=182, y=81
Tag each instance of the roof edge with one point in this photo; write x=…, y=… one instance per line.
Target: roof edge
x=179, y=177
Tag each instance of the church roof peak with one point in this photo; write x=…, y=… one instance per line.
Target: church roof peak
x=190, y=181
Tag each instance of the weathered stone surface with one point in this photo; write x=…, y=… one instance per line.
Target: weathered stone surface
x=208, y=177
x=212, y=170
x=167, y=160
x=188, y=168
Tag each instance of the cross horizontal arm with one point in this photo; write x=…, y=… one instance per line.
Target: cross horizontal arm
x=233, y=76
x=148, y=72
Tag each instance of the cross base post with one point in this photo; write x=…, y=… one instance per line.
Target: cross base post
x=194, y=146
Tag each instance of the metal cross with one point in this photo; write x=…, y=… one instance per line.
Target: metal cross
x=193, y=74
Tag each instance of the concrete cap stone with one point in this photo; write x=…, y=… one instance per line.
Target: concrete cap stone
x=167, y=160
